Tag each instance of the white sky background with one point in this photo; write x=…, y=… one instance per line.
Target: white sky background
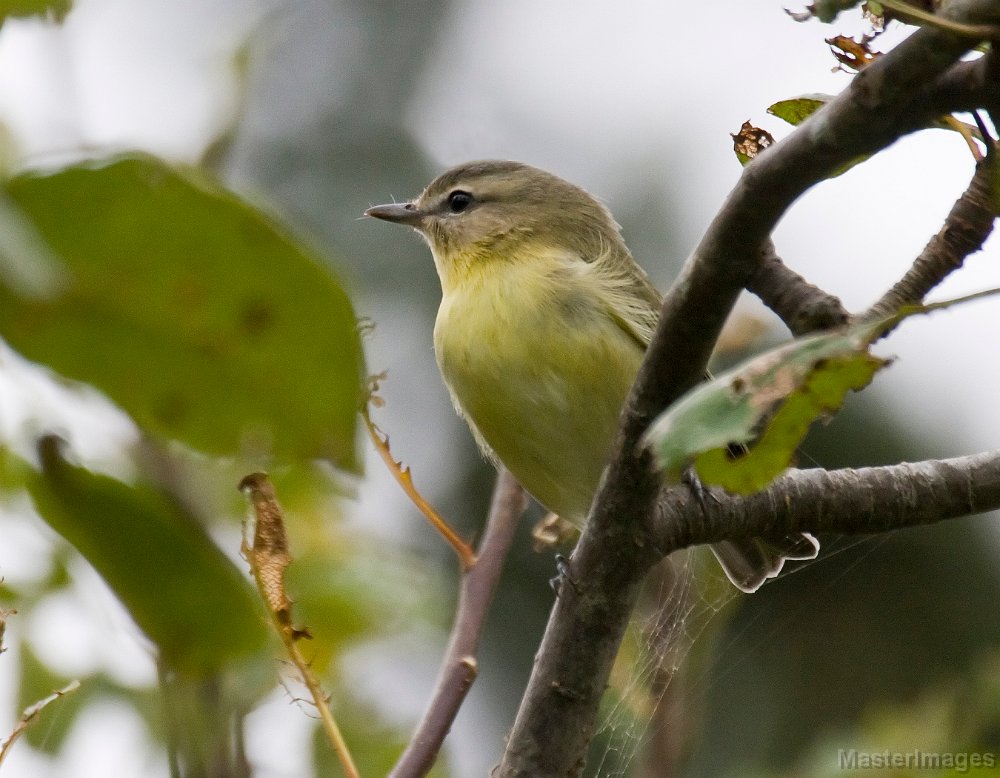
x=583, y=88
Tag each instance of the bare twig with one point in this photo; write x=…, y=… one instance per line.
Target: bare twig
x=459, y=667
x=886, y=100
x=967, y=227
x=802, y=306
x=466, y=556
x=31, y=713
x=848, y=501
x=269, y=557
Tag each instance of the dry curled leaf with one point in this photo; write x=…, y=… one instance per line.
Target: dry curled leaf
x=851, y=54
x=750, y=141
x=551, y=532
x=268, y=555
x=3, y=624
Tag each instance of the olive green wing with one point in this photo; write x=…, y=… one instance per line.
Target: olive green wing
x=629, y=296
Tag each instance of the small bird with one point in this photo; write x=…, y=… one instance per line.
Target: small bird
x=544, y=320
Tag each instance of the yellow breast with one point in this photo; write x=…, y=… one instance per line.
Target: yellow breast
x=540, y=370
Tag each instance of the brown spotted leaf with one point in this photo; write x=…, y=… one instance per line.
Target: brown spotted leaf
x=750, y=141
x=741, y=430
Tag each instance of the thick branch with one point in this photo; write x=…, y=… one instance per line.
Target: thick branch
x=802, y=306
x=863, y=501
x=967, y=227
x=966, y=86
x=895, y=95
x=459, y=667
x=558, y=712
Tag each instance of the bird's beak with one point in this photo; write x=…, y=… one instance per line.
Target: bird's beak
x=400, y=213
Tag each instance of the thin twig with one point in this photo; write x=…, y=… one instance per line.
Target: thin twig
x=269, y=557
x=802, y=306
x=466, y=556
x=31, y=714
x=966, y=228
x=459, y=666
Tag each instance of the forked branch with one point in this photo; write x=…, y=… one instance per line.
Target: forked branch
x=900, y=92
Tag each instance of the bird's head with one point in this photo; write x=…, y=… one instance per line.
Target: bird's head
x=500, y=211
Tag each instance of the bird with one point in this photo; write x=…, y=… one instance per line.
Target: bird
x=543, y=322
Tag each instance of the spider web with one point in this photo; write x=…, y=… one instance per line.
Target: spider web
x=681, y=598
x=667, y=658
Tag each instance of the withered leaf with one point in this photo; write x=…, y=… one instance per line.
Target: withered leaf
x=750, y=141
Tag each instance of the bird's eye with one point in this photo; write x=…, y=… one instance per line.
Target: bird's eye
x=458, y=201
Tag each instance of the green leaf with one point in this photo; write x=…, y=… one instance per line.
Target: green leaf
x=352, y=593
x=14, y=471
x=741, y=430
x=192, y=310
x=187, y=597
x=797, y=109
x=51, y=9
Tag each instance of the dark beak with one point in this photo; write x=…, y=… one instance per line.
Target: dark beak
x=400, y=213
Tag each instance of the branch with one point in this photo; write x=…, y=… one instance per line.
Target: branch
x=863, y=501
x=966, y=86
x=459, y=667
x=558, y=711
x=967, y=227
x=911, y=14
x=802, y=306
x=901, y=92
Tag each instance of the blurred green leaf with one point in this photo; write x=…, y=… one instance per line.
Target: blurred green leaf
x=14, y=472
x=192, y=310
x=36, y=681
x=375, y=745
x=356, y=593
x=181, y=590
x=51, y=9
x=741, y=430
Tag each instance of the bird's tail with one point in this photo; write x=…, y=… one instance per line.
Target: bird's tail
x=749, y=562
